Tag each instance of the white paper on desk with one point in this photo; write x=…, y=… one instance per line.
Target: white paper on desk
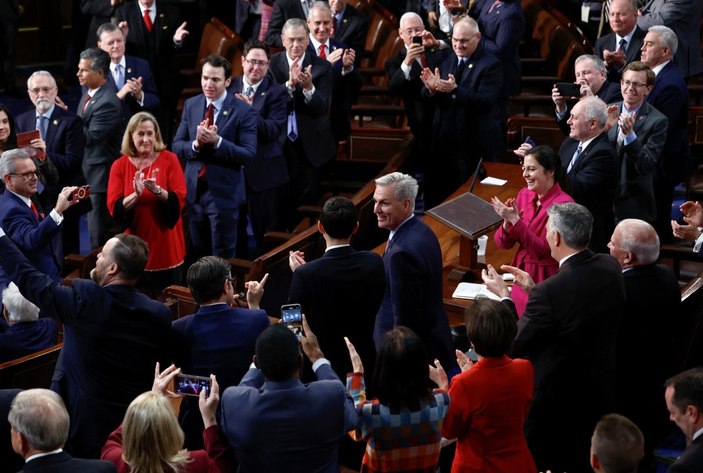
x=468, y=290
x=494, y=181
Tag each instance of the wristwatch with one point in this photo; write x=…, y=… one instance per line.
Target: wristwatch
x=159, y=190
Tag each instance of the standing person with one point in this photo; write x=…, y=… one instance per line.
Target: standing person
x=349, y=26
x=101, y=112
x=154, y=32
x=622, y=46
x=146, y=193
x=570, y=338
x=267, y=174
x=113, y=336
x=402, y=425
x=525, y=218
x=413, y=264
x=491, y=397
x=216, y=138
x=63, y=143
x=684, y=400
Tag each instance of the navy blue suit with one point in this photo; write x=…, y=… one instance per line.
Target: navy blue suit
x=136, y=67
x=352, y=30
x=268, y=172
x=215, y=340
x=633, y=51
x=214, y=199
x=413, y=296
x=24, y=338
x=287, y=426
x=113, y=337
x=11, y=461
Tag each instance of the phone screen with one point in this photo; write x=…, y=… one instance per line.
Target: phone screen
x=292, y=316
x=191, y=385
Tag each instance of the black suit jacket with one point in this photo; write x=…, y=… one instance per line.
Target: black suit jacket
x=352, y=30
x=157, y=46
x=568, y=332
x=64, y=463
x=340, y=294
x=592, y=182
x=283, y=10
x=10, y=460
x=691, y=461
x=137, y=67
x=312, y=117
x=608, y=93
x=633, y=51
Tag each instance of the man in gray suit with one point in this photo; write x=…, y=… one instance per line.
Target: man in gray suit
x=100, y=110
x=638, y=133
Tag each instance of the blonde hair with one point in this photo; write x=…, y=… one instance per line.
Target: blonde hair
x=137, y=119
x=152, y=438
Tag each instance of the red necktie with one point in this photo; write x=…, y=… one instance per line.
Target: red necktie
x=210, y=115
x=147, y=21
x=266, y=11
x=495, y=4
x=87, y=101
x=323, y=54
x=34, y=208
x=423, y=61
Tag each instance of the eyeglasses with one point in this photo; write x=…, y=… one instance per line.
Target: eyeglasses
x=636, y=85
x=254, y=62
x=464, y=40
x=46, y=90
x=26, y=175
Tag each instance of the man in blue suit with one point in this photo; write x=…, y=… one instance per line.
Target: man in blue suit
x=218, y=339
x=113, y=336
x=623, y=45
x=413, y=264
x=62, y=141
x=216, y=137
x=465, y=89
x=265, y=175
x=24, y=221
x=274, y=421
x=130, y=76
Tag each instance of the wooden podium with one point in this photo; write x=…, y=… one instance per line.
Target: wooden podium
x=472, y=217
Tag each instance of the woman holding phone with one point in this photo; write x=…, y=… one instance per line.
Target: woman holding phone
x=525, y=217
x=145, y=194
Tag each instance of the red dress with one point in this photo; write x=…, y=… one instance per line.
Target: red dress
x=157, y=223
x=530, y=232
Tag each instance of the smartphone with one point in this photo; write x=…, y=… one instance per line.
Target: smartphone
x=83, y=192
x=530, y=141
x=191, y=385
x=568, y=89
x=292, y=316
x=473, y=356
x=417, y=39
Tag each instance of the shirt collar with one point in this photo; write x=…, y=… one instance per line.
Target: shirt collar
x=316, y=44
x=334, y=247
x=47, y=114
x=122, y=63
x=393, y=232
x=634, y=110
x=657, y=69
x=43, y=454
x=627, y=37
x=24, y=199
x=152, y=10
x=584, y=144
x=246, y=84
x=218, y=102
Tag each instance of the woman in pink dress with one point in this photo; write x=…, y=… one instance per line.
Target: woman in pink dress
x=525, y=218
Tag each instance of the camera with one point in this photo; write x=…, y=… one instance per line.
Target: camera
x=82, y=192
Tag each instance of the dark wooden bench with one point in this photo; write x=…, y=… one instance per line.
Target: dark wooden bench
x=31, y=371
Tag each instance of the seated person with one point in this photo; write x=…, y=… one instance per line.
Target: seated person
x=23, y=332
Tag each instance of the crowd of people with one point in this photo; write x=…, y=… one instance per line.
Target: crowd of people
x=558, y=355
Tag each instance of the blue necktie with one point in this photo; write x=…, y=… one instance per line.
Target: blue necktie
x=42, y=123
x=292, y=126
x=119, y=77
x=575, y=158
x=623, y=45
x=249, y=92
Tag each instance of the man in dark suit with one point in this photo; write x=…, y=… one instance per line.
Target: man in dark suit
x=568, y=331
x=684, y=401
x=638, y=133
x=284, y=10
x=268, y=418
x=101, y=112
x=309, y=142
x=347, y=79
x=10, y=460
x=413, y=265
x=62, y=142
x=34, y=233
x=345, y=274
x=465, y=90
x=265, y=175
x=670, y=97
x=130, y=77
x=40, y=425
x=622, y=46
x=113, y=336
x=216, y=137
x=218, y=339
x=156, y=40
x=683, y=17
x=349, y=26
x=591, y=167
x=591, y=76
x=22, y=331
x=651, y=291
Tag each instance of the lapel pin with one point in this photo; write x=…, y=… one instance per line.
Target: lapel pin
x=129, y=70
x=56, y=122
x=470, y=66
x=225, y=112
x=344, y=20
x=161, y=15
x=263, y=93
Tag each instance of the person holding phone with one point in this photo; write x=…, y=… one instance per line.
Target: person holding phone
x=525, y=217
x=145, y=195
x=150, y=439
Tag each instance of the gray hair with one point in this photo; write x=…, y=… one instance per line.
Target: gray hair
x=597, y=62
x=405, y=185
x=18, y=308
x=407, y=16
x=640, y=239
x=40, y=73
x=595, y=109
x=470, y=22
x=8, y=160
x=319, y=5
x=100, y=60
x=41, y=417
x=293, y=23
x=618, y=443
x=668, y=37
x=573, y=222
x=107, y=28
